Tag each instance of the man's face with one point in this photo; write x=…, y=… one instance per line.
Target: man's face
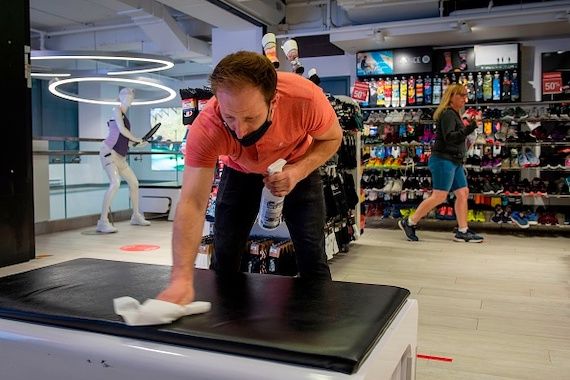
x=244, y=110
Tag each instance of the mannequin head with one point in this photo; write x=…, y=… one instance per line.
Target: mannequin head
x=126, y=97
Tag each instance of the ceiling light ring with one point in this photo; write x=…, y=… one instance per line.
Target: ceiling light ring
x=55, y=83
x=154, y=63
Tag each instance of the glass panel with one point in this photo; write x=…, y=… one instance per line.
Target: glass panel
x=78, y=181
x=57, y=191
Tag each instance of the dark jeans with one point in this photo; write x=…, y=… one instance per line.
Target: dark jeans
x=237, y=205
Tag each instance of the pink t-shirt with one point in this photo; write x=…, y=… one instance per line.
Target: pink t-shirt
x=302, y=110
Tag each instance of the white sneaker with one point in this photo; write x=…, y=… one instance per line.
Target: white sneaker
x=104, y=227
x=139, y=220
x=397, y=186
x=388, y=186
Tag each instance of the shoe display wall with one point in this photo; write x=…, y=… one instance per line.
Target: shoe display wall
x=518, y=165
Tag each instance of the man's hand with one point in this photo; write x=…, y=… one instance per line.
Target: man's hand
x=180, y=292
x=281, y=184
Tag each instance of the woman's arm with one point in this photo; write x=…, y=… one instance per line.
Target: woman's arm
x=449, y=132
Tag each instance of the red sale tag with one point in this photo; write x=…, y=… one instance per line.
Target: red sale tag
x=360, y=91
x=551, y=83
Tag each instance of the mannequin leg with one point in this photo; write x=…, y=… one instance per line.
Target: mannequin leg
x=127, y=173
x=103, y=224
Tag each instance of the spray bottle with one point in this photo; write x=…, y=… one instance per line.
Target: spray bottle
x=271, y=207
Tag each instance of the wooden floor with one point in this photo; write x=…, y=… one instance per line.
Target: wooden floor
x=499, y=310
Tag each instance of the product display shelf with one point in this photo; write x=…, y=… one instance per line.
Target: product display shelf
x=449, y=225
x=557, y=202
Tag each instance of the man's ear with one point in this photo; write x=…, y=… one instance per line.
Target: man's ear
x=272, y=105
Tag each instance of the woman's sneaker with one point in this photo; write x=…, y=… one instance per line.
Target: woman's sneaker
x=467, y=237
x=409, y=230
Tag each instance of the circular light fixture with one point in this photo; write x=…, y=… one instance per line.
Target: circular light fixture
x=150, y=63
x=50, y=75
x=55, y=83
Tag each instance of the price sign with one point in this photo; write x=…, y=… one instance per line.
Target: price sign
x=360, y=91
x=551, y=83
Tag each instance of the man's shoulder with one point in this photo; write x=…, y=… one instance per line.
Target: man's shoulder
x=294, y=85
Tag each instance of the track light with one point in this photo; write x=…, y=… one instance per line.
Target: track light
x=464, y=27
x=562, y=16
x=379, y=36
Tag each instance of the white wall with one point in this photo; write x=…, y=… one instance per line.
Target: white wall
x=532, y=67
x=225, y=42
x=332, y=66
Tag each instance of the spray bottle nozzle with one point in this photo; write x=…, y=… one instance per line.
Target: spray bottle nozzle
x=276, y=167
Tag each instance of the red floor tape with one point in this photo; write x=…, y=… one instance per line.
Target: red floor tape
x=139, y=247
x=438, y=358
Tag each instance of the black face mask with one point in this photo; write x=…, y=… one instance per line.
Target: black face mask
x=254, y=136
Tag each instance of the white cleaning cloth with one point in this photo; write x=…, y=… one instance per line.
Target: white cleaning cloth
x=155, y=312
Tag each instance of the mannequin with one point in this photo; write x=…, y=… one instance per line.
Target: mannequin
x=113, y=159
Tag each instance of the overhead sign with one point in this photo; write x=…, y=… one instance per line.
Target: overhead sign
x=412, y=61
x=496, y=57
x=369, y=63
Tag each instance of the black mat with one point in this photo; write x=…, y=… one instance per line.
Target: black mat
x=329, y=325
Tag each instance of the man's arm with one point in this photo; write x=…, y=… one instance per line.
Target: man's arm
x=187, y=234
x=323, y=147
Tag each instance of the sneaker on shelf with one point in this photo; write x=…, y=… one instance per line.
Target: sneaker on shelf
x=532, y=125
x=397, y=186
x=408, y=229
x=105, y=227
x=440, y=213
x=449, y=213
x=532, y=218
x=508, y=114
x=523, y=160
x=515, y=159
x=520, y=113
x=480, y=217
x=388, y=186
x=507, y=214
x=498, y=217
x=396, y=214
x=470, y=215
x=532, y=159
x=468, y=237
x=519, y=218
x=480, y=140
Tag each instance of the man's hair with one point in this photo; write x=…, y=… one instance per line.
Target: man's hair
x=245, y=68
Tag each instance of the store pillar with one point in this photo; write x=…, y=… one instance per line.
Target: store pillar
x=17, y=240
